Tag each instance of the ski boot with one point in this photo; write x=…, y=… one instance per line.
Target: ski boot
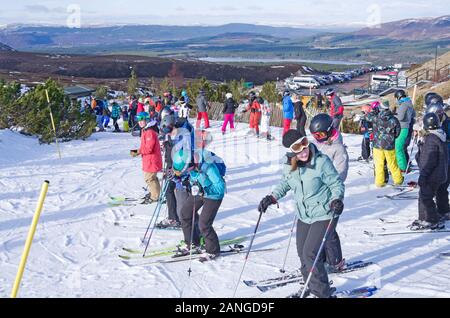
x=208, y=257
x=168, y=223
x=147, y=199
x=339, y=267
x=419, y=225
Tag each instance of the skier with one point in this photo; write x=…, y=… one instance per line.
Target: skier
x=300, y=114
x=432, y=159
x=99, y=114
x=202, y=109
x=132, y=109
x=207, y=190
x=288, y=111
x=184, y=108
x=336, y=107
x=386, y=128
x=255, y=113
x=125, y=118
x=177, y=134
x=319, y=100
x=442, y=201
x=266, y=112
x=140, y=106
x=329, y=141
x=318, y=192
x=366, y=129
x=115, y=115
x=150, y=151
x=229, y=107
x=404, y=114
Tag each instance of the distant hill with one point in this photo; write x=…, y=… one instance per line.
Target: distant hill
x=411, y=29
x=4, y=47
x=31, y=37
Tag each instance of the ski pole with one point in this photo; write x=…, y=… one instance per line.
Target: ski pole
x=248, y=252
x=410, y=154
x=194, y=191
x=317, y=256
x=154, y=216
x=289, y=244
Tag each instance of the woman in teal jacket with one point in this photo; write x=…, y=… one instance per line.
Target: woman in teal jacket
x=207, y=189
x=318, y=190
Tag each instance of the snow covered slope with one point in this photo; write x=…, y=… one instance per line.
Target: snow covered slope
x=74, y=253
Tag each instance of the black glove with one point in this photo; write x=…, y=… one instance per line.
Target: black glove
x=264, y=204
x=337, y=206
x=169, y=174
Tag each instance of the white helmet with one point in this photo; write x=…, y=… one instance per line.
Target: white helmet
x=228, y=95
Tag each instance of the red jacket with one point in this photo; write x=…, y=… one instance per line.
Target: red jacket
x=336, y=107
x=150, y=151
x=140, y=108
x=254, y=107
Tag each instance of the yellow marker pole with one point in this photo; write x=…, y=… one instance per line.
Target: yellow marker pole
x=29, y=240
x=414, y=94
x=53, y=123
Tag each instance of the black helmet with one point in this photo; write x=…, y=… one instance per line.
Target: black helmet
x=431, y=121
x=433, y=98
x=329, y=92
x=286, y=92
x=437, y=109
x=167, y=123
x=400, y=93
x=321, y=123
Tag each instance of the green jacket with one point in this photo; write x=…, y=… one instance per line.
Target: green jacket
x=315, y=185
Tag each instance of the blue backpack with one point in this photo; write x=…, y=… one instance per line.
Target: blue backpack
x=211, y=157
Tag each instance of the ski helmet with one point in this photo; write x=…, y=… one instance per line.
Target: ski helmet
x=375, y=105
x=437, y=109
x=399, y=94
x=286, y=92
x=433, y=98
x=320, y=127
x=329, y=92
x=228, y=95
x=183, y=93
x=167, y=123
x=142, y=116
x=431, y=121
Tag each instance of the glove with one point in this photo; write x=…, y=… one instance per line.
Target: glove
x=337, y=206
x=134, y=153
x=169, y=175
x=266, y=202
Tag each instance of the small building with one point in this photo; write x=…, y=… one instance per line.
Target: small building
x=78, y=91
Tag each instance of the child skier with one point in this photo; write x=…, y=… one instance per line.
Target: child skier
x=125, y=119
x=229, y=108
x=266, y=112
x=115, y=115
x=432, y=159
x=255, y=113
x=150, y=151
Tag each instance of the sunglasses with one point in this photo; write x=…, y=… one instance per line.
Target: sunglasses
x=299, y=145
x=320, y=135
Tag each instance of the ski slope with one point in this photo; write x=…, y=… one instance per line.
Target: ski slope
x=76, y=246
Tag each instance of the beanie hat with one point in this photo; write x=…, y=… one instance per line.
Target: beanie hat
x=291, y=136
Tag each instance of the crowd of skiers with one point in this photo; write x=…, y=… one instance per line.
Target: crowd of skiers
x=315, y=170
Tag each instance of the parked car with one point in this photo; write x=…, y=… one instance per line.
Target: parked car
x=306, y=82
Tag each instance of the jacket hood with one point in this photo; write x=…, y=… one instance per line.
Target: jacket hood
x=440, y=134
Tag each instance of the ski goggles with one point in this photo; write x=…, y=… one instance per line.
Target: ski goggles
x=320, y=135
x=299, y=145
x=140, y=117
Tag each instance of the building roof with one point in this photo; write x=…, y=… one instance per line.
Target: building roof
x=78, y=91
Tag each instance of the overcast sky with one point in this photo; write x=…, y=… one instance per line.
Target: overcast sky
x=358, y=13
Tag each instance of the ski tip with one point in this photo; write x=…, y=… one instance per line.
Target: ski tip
x=124, y=257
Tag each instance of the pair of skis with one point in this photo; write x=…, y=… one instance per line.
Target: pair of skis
x=360, y=292
x=265, y=285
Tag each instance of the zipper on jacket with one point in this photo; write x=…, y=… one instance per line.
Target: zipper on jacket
x=303, y=195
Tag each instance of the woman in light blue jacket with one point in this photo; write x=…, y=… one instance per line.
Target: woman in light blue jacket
x=318, y=192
